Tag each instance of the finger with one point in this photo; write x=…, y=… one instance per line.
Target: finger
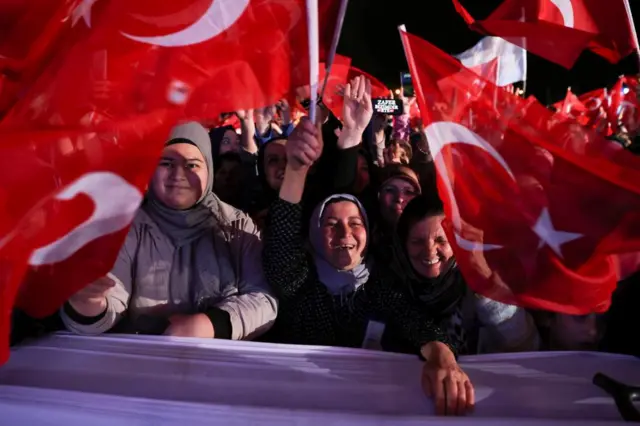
x=309, y=142
x=356, y=87
x=361, y=88
x=471, y=395
x=367, y=91
x=451, y=395
x=347, y=90
x=311, y=150
x=307, y=126
x=461, y=404
x=426, y=385
x=439, y=394
x=303, y=158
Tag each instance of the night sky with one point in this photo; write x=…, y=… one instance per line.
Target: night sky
x=370, y=37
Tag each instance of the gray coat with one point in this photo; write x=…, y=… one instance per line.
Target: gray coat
x=224, y=270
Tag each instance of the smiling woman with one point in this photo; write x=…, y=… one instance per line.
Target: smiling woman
x=181, y=177
x=190, y=265
x=425, y=266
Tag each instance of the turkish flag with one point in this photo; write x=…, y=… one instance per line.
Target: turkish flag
x=341, y=73
x=78, y=147
x=536, y=207
x=378, y=88
x=560, y=31
x=30, y=32
x=605, y=109
x=333, y=96
x=206, y=56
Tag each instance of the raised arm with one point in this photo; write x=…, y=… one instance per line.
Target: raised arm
x=285, y=261
x=248, y=131
x=356, y=114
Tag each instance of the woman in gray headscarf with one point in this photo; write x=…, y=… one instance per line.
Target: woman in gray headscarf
x=190, y=265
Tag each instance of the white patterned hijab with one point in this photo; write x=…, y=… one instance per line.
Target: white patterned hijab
x=337, y=282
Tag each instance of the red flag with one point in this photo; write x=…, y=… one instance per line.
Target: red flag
x=341, y=73
x=378, y=89
x=604, y=110
x=536, y=208
x=78, y=148
x=29, y=32
x=209, y=57
x=560, y=31
x=333, y=96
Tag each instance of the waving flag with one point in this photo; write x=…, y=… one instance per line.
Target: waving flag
x=536, y=208
x=79, y=145
x=496, y=60
x=560, y=30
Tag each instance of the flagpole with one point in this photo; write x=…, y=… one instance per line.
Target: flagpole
x=495, y=91
x=412, y=66
x=633, y=30
x=526, y=70
x=314, y=55
x=334, y=43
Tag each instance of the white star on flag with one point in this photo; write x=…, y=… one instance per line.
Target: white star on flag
x=83, y=10
x=550, y=236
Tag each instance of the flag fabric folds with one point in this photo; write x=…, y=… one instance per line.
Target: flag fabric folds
x=536, y=208
x=560, y=31
x=496, y=60
x=90, y=105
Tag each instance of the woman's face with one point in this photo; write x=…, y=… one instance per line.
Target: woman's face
x=394, y=196
x=575, y=332
x=275, y=162
x=428, y=248
x=362, y=177
x=344, y=235
x=181, y=176
x=230, y=142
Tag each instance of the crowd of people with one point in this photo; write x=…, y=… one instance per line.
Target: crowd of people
x=327, y=233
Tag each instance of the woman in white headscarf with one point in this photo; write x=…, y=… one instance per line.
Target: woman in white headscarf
x=190, y=265
x=326, y=293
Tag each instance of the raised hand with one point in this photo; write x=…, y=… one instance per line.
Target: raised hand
x=358, y=109
x=285, y=111
x=304, y=146
x=245, y=115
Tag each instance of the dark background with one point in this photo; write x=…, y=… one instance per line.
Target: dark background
x=370, y=37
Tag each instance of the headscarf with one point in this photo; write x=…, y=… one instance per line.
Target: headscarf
x=400, y=171
x=443, y=294
x=215, y=137
x=184, y=226
x=336, y=281
x=265, y=195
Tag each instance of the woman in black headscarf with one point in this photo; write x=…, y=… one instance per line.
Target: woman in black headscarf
x=425, y=266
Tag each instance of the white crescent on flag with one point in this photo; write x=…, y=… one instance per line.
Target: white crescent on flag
x=116, y=203
x=441, y=134
x=220, y=15
x=566, y=10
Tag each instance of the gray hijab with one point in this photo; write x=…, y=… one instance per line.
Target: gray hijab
x=201, y=264
x=336, y=281
x=184, y=226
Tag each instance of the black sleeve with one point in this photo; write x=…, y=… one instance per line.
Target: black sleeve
x=81, y=319
x=285, y=262
x=396, y=308
x=221, y=322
